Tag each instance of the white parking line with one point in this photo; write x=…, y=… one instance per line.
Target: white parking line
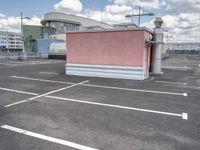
x=47, y=138
x=171, y=82
x=49, y=73
x=136, y=90
x=183, y=115
x=17, y=91
x=177, y=68
x=42, y=80
x=45, y=94
x=7, y=64
x=106, y=87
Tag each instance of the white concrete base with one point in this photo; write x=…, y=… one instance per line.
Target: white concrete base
x=106, y=71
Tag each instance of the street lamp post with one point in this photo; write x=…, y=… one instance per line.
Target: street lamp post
x=22, y=33
x=139, y=15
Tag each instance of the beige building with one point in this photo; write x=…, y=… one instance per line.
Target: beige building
x=66, y=22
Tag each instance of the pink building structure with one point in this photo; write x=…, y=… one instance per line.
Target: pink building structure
x=109, y=53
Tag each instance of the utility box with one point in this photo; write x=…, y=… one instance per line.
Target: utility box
x=115, y=53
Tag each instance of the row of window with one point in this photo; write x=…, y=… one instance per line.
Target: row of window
x=62, y=27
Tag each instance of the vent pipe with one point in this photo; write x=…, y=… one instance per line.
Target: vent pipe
x=157, y=47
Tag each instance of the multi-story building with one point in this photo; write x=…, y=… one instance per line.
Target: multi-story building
x=183, y=48
x=32, y=33
x=11, y=41
x=67, y=22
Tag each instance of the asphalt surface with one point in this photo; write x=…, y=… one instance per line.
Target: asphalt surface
x=97, y=114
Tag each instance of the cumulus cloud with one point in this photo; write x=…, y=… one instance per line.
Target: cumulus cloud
x=178, y=6
x=112, y=13
x=2, y=15
x=13, y=24
x=117, y=9
x=69, y=6
x=147, y=4
x=182, y=26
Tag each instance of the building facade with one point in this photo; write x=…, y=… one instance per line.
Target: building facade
x=182, y=48
x=66, y=22
x=32, y=33
x=10, y=41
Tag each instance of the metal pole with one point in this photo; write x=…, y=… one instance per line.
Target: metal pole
x=139, y=18
x=22, y=34
x=7, y=42
x=101, y=18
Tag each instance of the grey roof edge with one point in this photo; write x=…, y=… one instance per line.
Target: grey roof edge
x=113, y=30
x=46, y=20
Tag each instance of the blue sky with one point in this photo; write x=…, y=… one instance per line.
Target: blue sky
x=39, y=7
x=181, y=17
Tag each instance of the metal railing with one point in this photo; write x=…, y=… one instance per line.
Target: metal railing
x=5, y=56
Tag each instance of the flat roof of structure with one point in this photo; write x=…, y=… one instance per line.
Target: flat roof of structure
x=113, y=30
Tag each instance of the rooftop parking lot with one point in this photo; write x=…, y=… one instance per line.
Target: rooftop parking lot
x=43, y=109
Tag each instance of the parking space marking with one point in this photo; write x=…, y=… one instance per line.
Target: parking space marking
x=101, y=86
x=47, y=138
x=183, y=115
x=171, y=82
x=178, y=68
x=49, y=73
x=7, y=64
x=135, y=90
x=17, y=91
x=42, y=80
x=45, y=94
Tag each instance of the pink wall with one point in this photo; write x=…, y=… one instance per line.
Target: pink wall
x=121, y=48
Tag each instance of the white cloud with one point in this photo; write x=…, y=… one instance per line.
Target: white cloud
x=2, y=15
x=117, y=9
x=13, y=23
x=106, y=17
x=112, y=14
x=147, y=4
x=182, y=26
x=187, y=6
x=69, y=6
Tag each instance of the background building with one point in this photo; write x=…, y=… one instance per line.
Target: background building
x=66, y=22
x=182, y=48
x=10, y=41
x=46, y=48
x=32, y=33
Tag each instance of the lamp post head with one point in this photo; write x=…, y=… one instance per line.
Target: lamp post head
x=158, y=22
x=151, y=14
x=128, y=16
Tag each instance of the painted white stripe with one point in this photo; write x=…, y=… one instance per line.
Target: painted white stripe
x=47, y=138
x=66, y=99
x=136, y=90
x=6, y=64
x=183, y=115
x=58, y=90
x=16, y=103
x=17, y=91
x=106, y=87
x=49, y=73
x=45, y=94
x=42, y=80
x=173, y=67
x=171, y=82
